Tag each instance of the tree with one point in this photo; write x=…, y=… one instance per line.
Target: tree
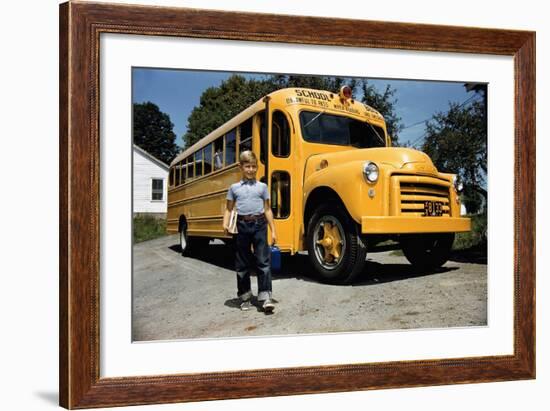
x=220, y=104
x=384, y=103
x=315, y=82
x=456, y=141
x=153, y=131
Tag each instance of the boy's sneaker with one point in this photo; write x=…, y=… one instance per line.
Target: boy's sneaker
x=246, y=305
x=268, y=306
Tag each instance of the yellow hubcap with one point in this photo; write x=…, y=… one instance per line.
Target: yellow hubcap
x=331, y=242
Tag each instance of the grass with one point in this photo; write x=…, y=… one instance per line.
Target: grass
x=148, y=228
x=476, y=237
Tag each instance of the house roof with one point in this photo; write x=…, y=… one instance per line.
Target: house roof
x=152, y=158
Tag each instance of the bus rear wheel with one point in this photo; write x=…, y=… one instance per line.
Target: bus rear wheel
x=336, y=249
x=191, y=245
x=427, y=251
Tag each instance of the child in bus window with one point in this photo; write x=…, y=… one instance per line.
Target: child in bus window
x=218, y=160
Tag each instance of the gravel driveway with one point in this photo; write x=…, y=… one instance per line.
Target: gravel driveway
x=179, y=297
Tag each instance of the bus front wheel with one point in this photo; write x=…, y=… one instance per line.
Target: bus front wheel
x=427, y=251
x=335, y=246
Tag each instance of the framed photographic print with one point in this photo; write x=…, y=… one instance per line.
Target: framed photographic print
x=323, y=286
x=141, y=323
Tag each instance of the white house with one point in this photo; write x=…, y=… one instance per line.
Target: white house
x=150, y=181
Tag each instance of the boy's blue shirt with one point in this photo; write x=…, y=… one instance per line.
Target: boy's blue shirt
x=249, y=196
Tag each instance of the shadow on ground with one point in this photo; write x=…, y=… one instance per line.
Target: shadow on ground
x=298, y=267
x=376, y=273
x=474, y=255
x=256, y=305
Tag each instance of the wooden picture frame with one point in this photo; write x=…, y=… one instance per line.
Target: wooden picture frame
x=80, y=27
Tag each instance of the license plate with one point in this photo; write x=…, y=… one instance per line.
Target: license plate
x=433, y=208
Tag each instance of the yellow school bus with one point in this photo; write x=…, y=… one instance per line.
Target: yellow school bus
x=337, y=185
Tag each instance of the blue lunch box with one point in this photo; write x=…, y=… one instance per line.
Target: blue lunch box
x=275, y=258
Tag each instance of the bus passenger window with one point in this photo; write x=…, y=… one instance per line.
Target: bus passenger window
x=177, y=167
x=230, y=147
x=190, y=165
x=280, y=194
x=280, y=135
x=198, y=163
x=263, y=136
x=208, y=159
x=183, y=170
x=171, y=183
x=218, y=153
x=245, y=142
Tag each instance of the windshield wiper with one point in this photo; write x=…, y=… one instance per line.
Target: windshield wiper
x=314, y=118
x=376, y=132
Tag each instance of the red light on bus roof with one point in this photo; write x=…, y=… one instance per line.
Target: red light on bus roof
x=345, y=92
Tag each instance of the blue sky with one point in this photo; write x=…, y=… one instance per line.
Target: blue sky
x=177, y=92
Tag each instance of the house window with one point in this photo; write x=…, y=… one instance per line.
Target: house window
x=157, y=192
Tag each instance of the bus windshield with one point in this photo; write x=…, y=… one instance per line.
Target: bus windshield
x=323, y=128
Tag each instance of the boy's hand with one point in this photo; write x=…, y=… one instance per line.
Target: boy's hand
x=273, y=238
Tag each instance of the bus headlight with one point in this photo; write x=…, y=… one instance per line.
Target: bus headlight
x=371, y=171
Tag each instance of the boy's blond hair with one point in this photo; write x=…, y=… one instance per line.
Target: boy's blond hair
x=248, y=156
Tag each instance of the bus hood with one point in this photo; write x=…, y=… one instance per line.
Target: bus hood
x=394, y=157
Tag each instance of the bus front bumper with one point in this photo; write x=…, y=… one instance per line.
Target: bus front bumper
x=410, y=225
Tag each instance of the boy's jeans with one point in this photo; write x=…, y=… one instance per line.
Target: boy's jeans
x=253, y=233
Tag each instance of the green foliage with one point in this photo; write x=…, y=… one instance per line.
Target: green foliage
x=153, y=131
x=456, y=141
x=472, y=200
x=384, y=103
x=476, y=238
x=315, y=82
x=147, y=227
x=220, y=104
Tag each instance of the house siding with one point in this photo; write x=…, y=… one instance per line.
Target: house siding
x=145, y=170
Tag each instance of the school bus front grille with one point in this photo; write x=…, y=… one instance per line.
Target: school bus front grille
x=412, y=193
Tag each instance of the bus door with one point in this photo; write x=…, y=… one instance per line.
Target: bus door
x=280, y=177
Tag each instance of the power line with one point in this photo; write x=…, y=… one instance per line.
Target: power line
x=420, y=122
x=423, y=121
x=415, y=124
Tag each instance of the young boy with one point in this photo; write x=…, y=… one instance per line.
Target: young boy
x=251, y=198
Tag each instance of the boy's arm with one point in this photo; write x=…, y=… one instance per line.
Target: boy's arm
x=226, y=214
x=269, y=217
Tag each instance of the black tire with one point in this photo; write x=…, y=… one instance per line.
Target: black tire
x=191, y=245
x=427, y=252
x=342, y=264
